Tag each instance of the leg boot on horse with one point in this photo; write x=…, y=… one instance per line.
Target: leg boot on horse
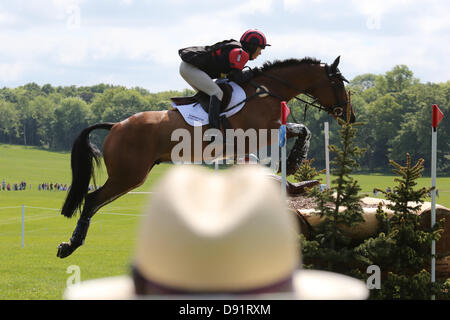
x=79, y=234
x=299, y=152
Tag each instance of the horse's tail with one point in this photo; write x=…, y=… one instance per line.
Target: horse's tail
x=83, y=152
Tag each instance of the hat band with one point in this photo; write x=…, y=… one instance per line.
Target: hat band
x=145, y=286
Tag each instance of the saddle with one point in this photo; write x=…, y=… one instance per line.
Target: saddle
x=203, y=98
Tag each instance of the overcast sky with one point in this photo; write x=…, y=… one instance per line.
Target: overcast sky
x=136, y=42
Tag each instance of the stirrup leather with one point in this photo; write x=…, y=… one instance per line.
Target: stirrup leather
x=214, y=111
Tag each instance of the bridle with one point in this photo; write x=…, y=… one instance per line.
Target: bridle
x=337, y=109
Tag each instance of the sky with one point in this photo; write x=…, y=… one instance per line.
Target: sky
x=135, y=43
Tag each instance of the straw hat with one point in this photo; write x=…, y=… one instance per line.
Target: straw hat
x=224, y=235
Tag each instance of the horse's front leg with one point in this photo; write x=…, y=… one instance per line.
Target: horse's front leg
x=299, y=151
x=296, y=129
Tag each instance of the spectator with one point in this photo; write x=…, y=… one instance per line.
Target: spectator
x=215, y=234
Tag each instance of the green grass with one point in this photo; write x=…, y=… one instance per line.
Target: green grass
x=34, y=272
x=368, y=182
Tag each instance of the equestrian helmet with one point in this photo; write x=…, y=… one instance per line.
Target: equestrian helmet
x=251, y=39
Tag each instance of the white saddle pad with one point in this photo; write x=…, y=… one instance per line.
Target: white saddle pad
x=194, y=114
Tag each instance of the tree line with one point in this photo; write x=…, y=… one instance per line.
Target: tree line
x=395, y=107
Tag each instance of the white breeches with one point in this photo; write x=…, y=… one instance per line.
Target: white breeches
x=200, y=80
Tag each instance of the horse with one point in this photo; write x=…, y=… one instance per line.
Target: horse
x=133, y=146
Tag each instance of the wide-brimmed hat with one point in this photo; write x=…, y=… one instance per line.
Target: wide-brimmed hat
x=227, y=234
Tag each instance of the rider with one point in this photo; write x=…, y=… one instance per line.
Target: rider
x=201, y=65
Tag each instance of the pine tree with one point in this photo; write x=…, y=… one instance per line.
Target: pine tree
x=402, y=248
x=330, y=247
x=307, y=172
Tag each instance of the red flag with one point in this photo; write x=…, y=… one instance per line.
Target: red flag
x=285, y=111
x=437, y=116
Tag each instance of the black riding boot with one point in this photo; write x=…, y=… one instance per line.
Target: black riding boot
x=214, y=111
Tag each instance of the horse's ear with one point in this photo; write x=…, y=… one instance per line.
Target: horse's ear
x=335, y=64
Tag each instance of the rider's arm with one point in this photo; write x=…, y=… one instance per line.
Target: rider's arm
x=238, y=58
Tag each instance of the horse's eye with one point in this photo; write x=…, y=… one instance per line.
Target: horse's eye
x=338, y=112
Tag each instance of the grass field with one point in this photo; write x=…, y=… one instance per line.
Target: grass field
x=34, y=271
x=368, y=182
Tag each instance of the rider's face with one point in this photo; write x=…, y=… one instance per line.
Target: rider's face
x=256, y=53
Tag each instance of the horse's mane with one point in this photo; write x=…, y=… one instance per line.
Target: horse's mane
x=284, y=63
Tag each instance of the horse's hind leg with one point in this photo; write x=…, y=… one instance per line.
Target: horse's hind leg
x=79, y=234
x=110, y=191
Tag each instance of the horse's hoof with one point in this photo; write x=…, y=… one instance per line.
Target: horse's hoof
x=65, y=249
x=307, y=184
x=295, y=189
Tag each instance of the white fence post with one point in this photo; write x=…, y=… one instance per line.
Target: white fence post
x=23, y=225
x=327, y=155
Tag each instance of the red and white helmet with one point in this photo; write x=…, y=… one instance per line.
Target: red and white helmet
x=251, y=39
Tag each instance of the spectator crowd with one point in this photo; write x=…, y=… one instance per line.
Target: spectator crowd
x=23, y=185
x=52, y=187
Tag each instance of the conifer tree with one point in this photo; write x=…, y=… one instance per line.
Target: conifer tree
x=330, y=247
x=402, y=249
x=307, y=172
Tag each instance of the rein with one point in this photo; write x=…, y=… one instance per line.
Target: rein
x=338, y=108
x=263, y=90
x=290, y=85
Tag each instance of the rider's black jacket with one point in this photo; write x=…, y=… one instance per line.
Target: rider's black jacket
x=214, y=60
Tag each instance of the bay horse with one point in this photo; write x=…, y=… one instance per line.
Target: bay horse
x=133, y=146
